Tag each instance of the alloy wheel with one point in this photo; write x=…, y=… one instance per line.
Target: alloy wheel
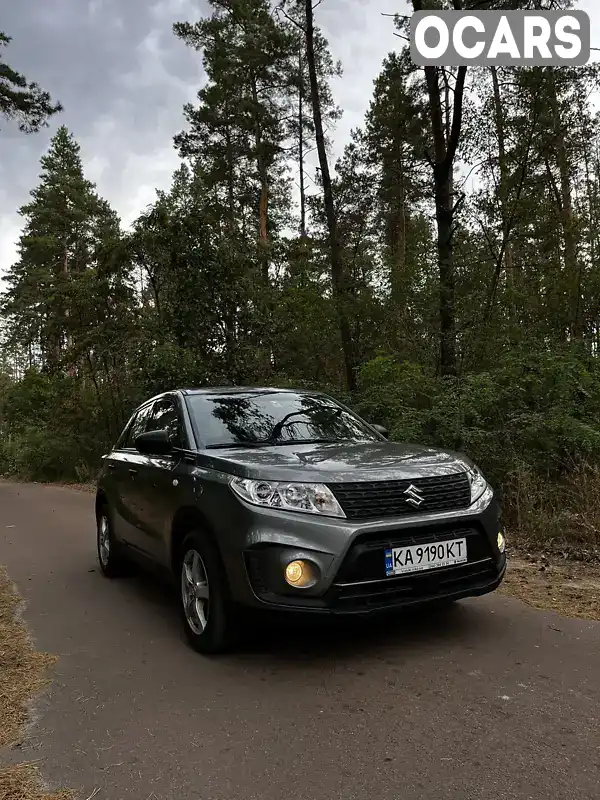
x=194, y=591
x=104, y=540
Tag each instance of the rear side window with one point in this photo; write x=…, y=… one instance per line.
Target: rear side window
x=137, y=426
x=166, y=417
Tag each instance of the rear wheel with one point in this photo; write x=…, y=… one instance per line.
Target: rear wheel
x=206, y=608
x=110, y=554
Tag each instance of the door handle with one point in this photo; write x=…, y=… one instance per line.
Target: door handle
x=110, y=466
x=133, y=471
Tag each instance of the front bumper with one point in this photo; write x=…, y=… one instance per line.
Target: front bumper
x=350, y=560
x=395, y=593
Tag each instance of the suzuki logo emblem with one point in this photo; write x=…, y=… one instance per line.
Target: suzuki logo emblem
x=414, y=497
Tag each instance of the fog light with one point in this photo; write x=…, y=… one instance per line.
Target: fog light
x=299, y=573
x=501, y=542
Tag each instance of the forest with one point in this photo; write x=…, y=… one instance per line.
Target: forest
x=442, y=277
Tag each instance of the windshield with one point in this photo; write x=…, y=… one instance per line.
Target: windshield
x=273, y=418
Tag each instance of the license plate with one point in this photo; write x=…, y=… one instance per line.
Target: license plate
x=419, y=557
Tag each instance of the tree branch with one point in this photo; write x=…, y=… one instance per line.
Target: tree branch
x=290, y=19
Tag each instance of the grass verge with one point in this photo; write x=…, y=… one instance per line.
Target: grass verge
x=23, y=674
x=22, y=782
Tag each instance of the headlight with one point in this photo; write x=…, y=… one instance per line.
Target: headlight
x=478, y=483
x=311, y=498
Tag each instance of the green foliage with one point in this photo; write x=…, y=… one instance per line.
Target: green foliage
x=22, y=101
x=537, y=410
x=67, y=277
x=51, y=430
x=166, y=366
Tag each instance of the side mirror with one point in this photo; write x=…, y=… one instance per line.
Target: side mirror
x=383, y=431
x=154, y=443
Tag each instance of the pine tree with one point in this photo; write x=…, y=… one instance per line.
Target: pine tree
x=339, y=278
x=67, y=259
x=445, y=110
x=237, y=131
x=24, y=102
x=236, y=143
x=395, y=137
x=301, y=125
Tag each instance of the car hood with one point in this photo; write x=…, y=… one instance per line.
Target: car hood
x=327, y=463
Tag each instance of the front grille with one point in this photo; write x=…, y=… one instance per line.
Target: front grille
x=362, y=500
x=467, y=578
x=365, y=561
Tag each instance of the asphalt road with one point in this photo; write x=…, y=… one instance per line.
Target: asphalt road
x=489, y=699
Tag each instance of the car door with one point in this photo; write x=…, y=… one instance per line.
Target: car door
x=112, y=476
x=125, y=462
x=157, y=481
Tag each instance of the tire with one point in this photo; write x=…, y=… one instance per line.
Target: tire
x=111, y=557
x=204, y=599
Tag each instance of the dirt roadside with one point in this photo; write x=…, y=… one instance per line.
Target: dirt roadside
x=23, y=675
x=571, y=588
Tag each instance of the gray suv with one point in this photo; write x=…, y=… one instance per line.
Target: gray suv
x=287, y=500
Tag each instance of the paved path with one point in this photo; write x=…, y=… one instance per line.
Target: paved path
x=488, y=700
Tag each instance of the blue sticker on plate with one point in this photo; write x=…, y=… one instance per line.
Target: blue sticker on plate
x=389, y=565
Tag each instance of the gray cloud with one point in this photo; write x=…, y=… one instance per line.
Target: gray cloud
x=123, y=78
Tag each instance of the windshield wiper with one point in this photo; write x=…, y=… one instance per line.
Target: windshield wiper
x=313, y=441
x=270, y=443
x=290, y=442
x=225, y=445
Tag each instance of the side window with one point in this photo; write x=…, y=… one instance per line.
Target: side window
x=166, y=417
x=137, y=426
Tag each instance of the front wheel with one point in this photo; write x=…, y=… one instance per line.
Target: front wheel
x=205, y=604
x=112, y=560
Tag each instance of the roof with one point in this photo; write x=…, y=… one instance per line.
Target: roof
x=221, y=390
x=241, y=390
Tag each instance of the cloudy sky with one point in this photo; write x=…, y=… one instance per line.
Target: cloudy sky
x=123, y=78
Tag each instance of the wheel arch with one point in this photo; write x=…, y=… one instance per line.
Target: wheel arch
x=101, y=500
x=187, y=519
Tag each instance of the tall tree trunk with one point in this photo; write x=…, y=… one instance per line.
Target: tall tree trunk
x=230, y=178
x=263, y=235
x=503, y=189
x=446, y=135
x=397, y=234
x=340, y=291
x=442, y=165
x=301, y=146
x=444, y=217
x=445, y=220
x=573, y=276
x=71, y=369
x=503, y=195
x=592, y=218
x=261, y=168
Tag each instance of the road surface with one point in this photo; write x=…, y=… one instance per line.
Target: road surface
x=489, y=699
